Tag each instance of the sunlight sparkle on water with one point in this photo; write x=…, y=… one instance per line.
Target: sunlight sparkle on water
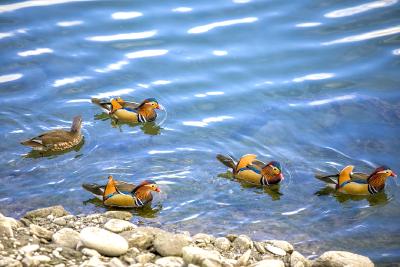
x=126, y=15
x=308, y=24
x=208, y=27
x=69, y=23
x=313, y=77
x=366, y=36
x=10, y=77
x=147, y=53
x=182, y=9
x=114, y=66
x=359, y=9
x=220, y=52
x=33, y=3
x=114, y=93
x=65, y=81
x=206, y=121
x=35, y=52
x=122, y=36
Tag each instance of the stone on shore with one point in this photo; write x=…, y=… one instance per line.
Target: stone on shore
x=168, y=244
x=222, y=243
x=103, y=241
x=55, y=211
x=40, y=231
x=298, y=260
x=66, y=237
x=116, y=214
x=242, y=243
x=118, y=226
x=286, y=246
x=269, y=263
x=201, y=257
x=138, y=238
x=170, y=262
x=275, y=250
x=342, y=259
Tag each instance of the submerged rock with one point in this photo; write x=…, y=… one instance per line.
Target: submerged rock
x=105, y=242
x=342, y=259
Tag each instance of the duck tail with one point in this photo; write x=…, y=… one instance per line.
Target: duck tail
x=228, y=161
x=32, y=143
x=95, y=189
x=329, y=179
x=104, y=105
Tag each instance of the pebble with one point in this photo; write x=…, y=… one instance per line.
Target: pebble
x=28, y=249
x=269, y=263
x=170, y=262
x=66, y=237
x=40, y=232
x=222, y=243
x=201, y=257
x=286, y=246
x=105, y=242
x=60, y=221
x=342, y=258
x=118, y=226
x=242, y=243
x=275, y=250
x=203, y=238
x=138, y=238
x=115, y=262
x=244, y=259
x=90, y=252
x=122, y=215
x=145, y=258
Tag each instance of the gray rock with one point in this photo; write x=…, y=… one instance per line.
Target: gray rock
x=60, y=221
x=90, y=252
x=201, y=257
x=202, y=238
x=168, y=244
x=6, y=228
x=56, y=211
x=28, y=249
x=66, y=237
x=222, y=243
x=115, y=262
x=242, y=243
x=35, y=260
x=118, y=226
x=286, y=246
x=105, y=242
x=40, y=232
x=259, y=247
x=170, y=262
x=138, y=238
x=122, y=215
x=145, y=258
x=269, y=263
x=9, y=262
x=298, y=260
x=342, y=258
x=93, y=262
x=275, y=250
x=244, y=259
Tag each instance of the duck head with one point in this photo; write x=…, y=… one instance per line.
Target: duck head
x=378, y=178
x=150, y=103
x=147, y=186
x=273, y=171
x=76, y=124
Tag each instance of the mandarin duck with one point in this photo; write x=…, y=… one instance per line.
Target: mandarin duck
x=57, y=140
x=122, y=194
x=122, y=110
x=359, y=183
x=249, y=169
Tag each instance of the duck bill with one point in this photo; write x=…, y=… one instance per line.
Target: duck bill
x=160, y=107
x=393, y=174
x=281, y=176
x=158, y=190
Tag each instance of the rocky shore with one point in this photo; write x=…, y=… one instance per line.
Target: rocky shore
x=53, y=237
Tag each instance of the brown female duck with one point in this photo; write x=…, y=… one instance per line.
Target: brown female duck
x=57, y=140
x=249, y=169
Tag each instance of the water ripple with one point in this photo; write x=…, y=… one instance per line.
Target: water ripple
x=182, y=9
x=122, y=36
x=114, y=66
x=34, y=3
x=69, y=23
x=70, y=80
x=365, y=36
x=208, y=27
x=308, y=24
x=146, y=53
x=10, y=77
x=313, y=77
x=206, y=121
x=114, y=93
x=360, y=8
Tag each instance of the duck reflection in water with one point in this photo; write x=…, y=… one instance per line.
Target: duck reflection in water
x=271, y=190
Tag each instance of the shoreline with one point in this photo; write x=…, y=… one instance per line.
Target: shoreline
x=53, y=237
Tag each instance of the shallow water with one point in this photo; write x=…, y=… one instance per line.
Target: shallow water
x=312, y=84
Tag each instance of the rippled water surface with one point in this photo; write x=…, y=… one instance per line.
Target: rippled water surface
x=313, y=84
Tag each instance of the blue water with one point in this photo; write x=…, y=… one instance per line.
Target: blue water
x=312, y=84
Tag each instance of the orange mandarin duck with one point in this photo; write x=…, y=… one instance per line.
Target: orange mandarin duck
x=351, y=183
x=57, y=140
x=251, y=170
x=132, y=112
x=122, y=194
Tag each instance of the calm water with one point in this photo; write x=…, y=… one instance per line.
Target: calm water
x=313, y=84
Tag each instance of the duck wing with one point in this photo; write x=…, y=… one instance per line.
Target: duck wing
x=48, y=139
x=357, y=177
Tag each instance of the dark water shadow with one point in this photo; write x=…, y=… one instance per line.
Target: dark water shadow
x=147, y=211
x=150, y=128
x=380, y=198
x=53, y=154
x=271, y=190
